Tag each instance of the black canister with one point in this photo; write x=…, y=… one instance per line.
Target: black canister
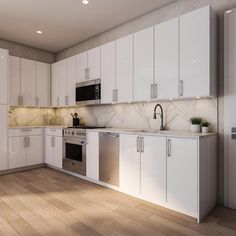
x=75, y=121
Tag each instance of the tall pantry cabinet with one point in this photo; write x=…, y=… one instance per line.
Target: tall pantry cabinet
x=4, y=109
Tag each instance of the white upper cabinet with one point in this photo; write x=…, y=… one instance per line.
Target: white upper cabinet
x=108, y=72
x=197, y=53
x=143, y=64
x=28, y=82
x=182, y=174
x=55, y=89
x=82, y=66
x=94, y=64
x=43, y=72
x=124, y=69
x=167, y=59
x=63, y=84
x=3, y=76
x=14, y=81
x=72, y=78
x=4, y=137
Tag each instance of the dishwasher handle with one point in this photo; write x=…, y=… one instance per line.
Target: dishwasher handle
x=109, y=134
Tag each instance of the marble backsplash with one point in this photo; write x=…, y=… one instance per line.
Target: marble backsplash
x=137, y=115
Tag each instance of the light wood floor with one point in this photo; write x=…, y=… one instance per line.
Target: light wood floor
x=47, y=202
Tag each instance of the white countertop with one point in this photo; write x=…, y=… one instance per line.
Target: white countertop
x=151, y=132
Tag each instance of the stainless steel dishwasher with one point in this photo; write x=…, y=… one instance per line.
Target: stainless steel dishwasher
x=109, y=158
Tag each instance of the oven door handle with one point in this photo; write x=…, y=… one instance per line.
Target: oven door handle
x=74, y=141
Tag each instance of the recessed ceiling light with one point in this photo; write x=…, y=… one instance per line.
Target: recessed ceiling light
x=229, y=11
x=85, y=2
x=39, y=32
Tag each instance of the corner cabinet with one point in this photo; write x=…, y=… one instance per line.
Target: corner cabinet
x=25, y=147
x=53, y=147
x=29, y=83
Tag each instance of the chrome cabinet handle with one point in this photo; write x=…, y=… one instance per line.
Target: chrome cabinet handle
x=155, y=90
x=138, y=144
x=26, y=130
x=22, y=100
x=18, y=102
x=37, y=101
x=181, y=88
x=142, y=144
x=169, y=148
x=25, y=142
x=51, y=141
x=116, y=95
x=66, y=100
x=28, y=141
x=57, y=101
x=87, y=73
x=152, y=91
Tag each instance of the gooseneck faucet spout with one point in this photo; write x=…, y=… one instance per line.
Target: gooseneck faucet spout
x=161, y=116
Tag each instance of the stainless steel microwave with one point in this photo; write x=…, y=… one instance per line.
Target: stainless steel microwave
x=88, y=92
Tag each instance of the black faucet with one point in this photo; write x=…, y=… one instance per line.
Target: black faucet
x=161, y=116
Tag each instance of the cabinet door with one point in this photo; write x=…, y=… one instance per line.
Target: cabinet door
x=28, y=82
x=82, y=65
x=14, y=80
x=195, y=53
x=92, y=156
x=167, y=59
x=42, y=84
x=17, y=152
x=124, y=69
x=153, y=168
x=143, y=64
x=49, y=150
x=63, y=88
x=108, y=72
x=4, y=137
x=3, y=76
x=35, y=150
x=182, y=166
x=72, y=79
x=55, y=85
x=94, y=63
x=57, y=152
x=129, y=164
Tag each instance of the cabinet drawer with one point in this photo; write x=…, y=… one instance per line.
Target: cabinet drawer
x=25, y=132
x=54, y=131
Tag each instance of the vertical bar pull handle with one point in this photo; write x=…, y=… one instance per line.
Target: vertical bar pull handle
x=142, y=144
x=152, y=91
x=181, y=88
x=155, y=90
x=138, y=144
x=169, y=148
x=28, y=141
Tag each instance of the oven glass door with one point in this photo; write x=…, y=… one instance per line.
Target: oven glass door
x=75, y=150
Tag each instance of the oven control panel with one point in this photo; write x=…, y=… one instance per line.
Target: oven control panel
x=76, y=133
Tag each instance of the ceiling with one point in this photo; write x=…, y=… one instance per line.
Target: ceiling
x=66, y=22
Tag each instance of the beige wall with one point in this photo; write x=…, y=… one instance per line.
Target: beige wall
x=27, y=52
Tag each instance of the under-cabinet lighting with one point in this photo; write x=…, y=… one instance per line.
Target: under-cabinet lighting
x=197, y=97
x=39, y=32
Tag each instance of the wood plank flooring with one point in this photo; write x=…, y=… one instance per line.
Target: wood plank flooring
x=48, y=202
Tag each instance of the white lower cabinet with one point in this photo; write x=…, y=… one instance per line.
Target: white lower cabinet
x=17, y=152
x=25, y=147
x=54, y=148
x=92, y=155
x=4, y=137
x=35, y=154
x=182, y=174
x=129, y=164
x=143, y=166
